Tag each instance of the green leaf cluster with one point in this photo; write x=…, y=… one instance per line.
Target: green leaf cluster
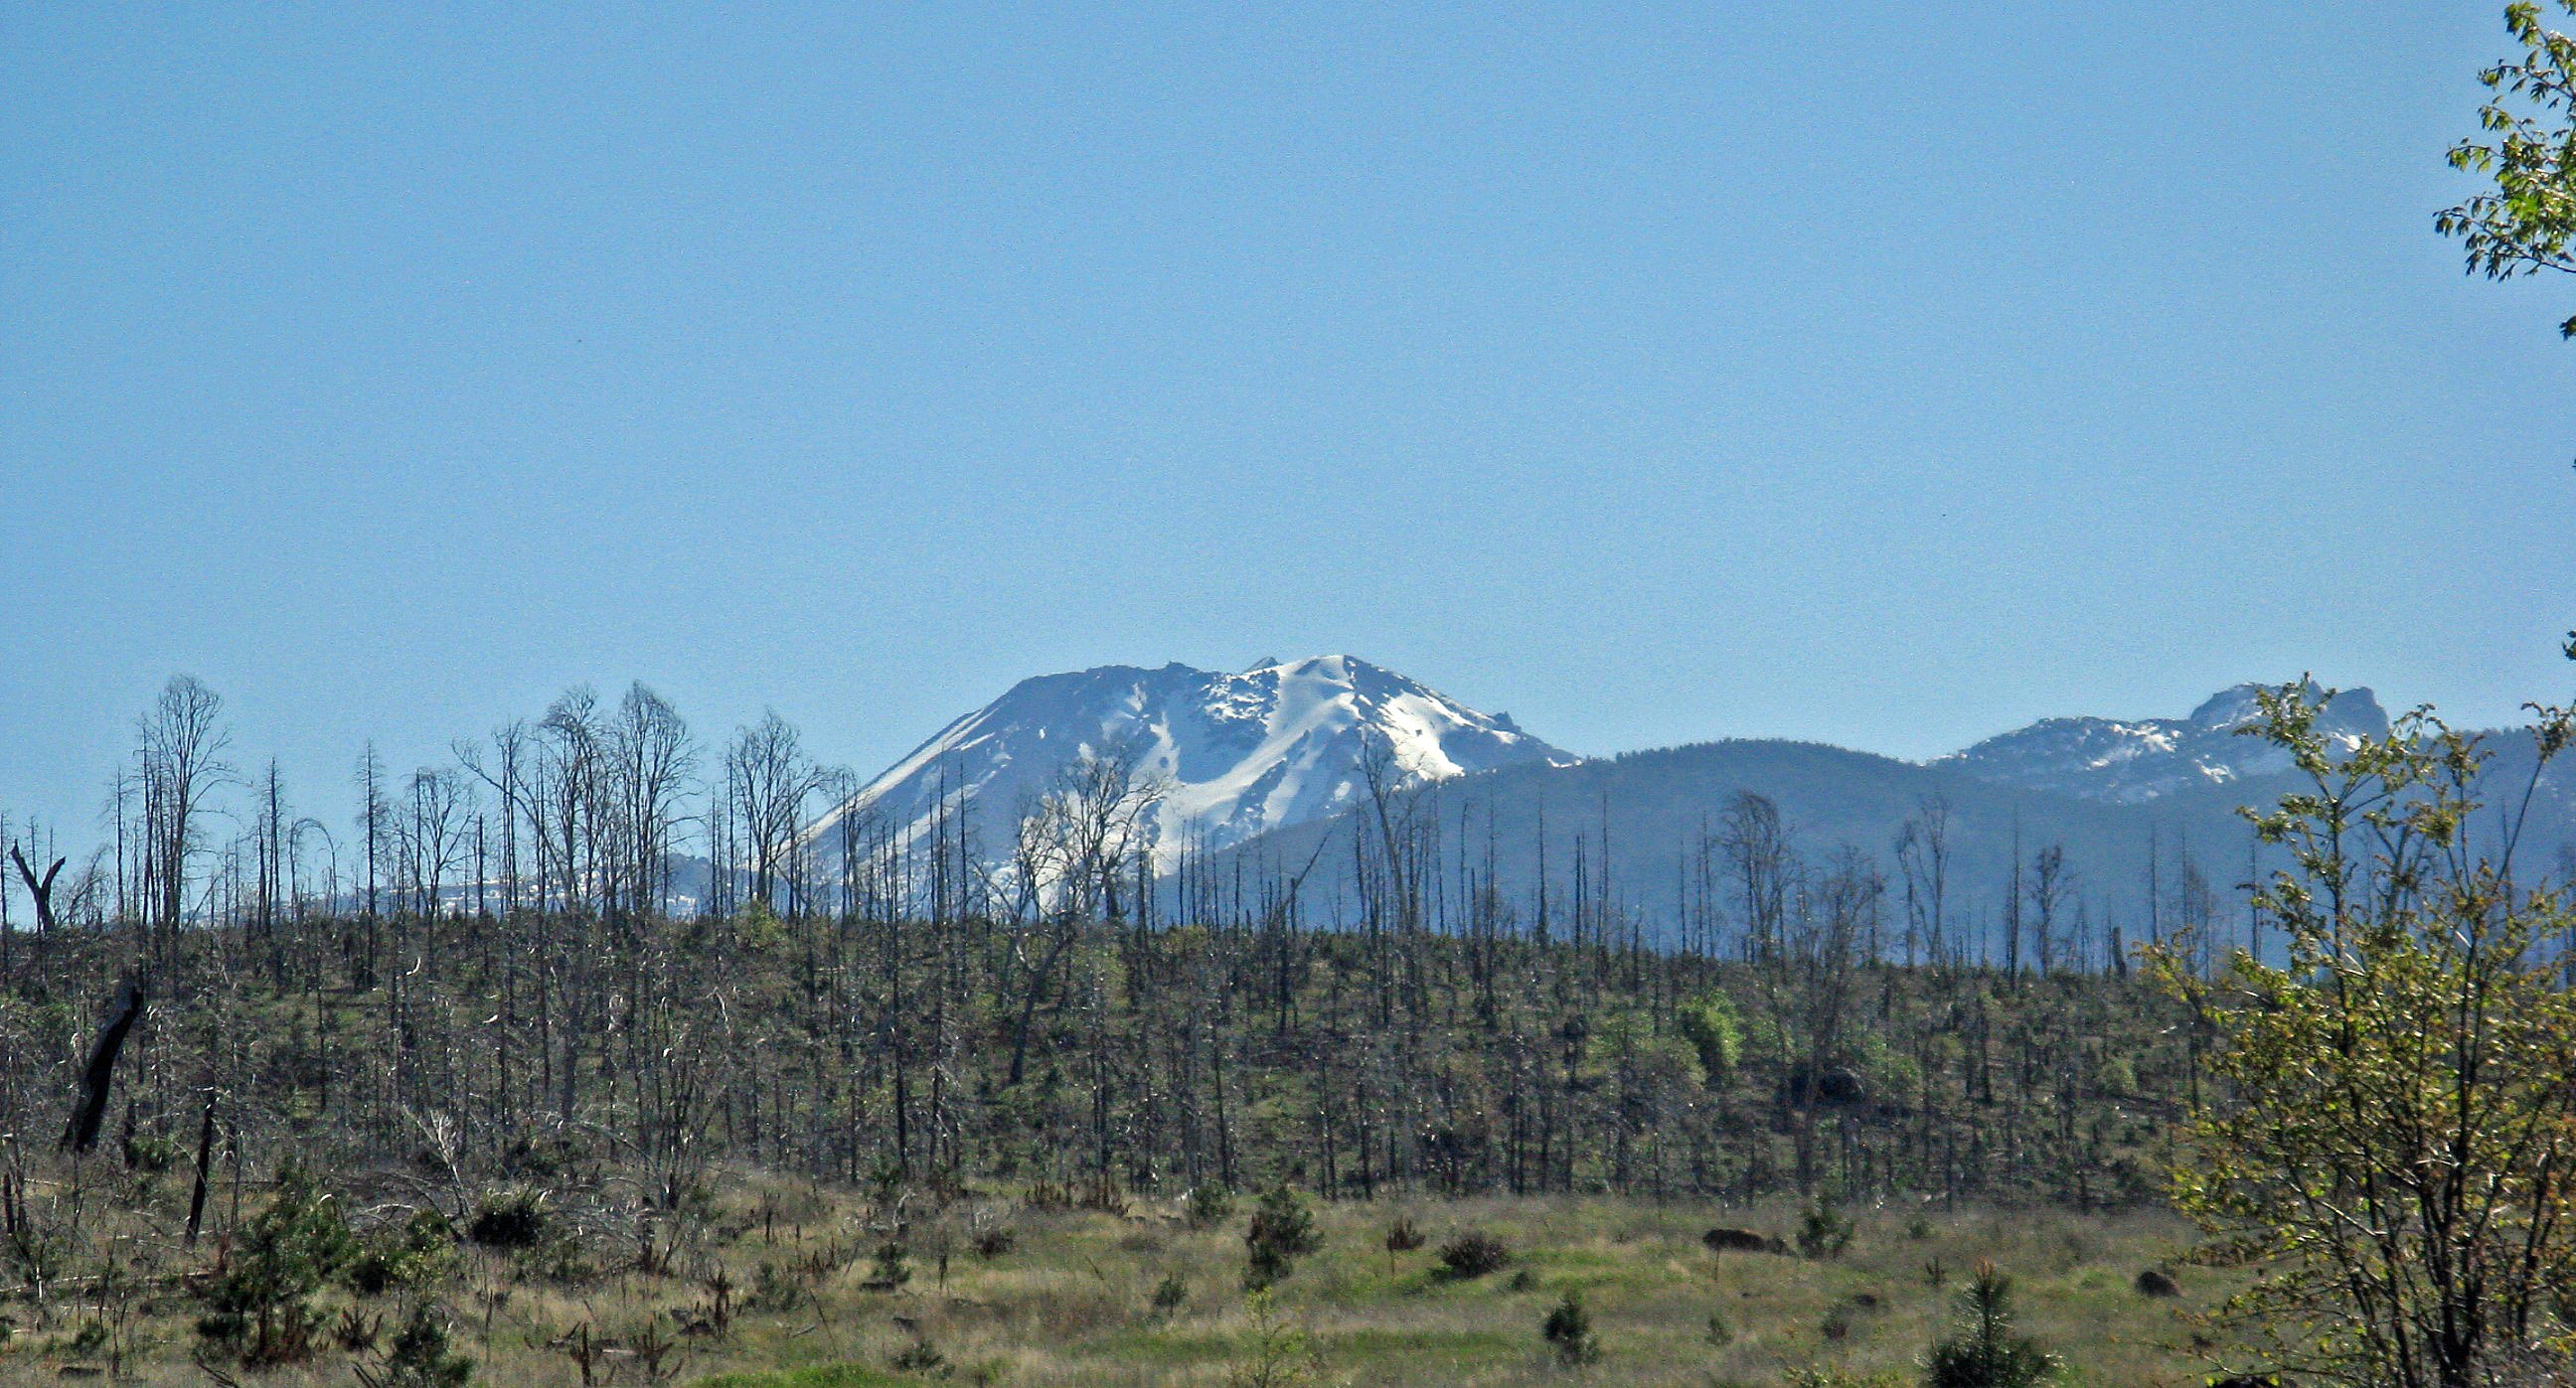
x=2527, y=222
x=1716, y=1034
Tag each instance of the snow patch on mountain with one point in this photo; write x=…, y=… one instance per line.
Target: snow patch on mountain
x=1277, y=744
x=2132, y=761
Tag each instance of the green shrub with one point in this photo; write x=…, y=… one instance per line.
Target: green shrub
x=920, y=1357
x=1473, y=1254
x=1569, y=1329
x=413, y=1254
x=1710, y=1025
x=1404, y=1236
x=757, y=928
x=1886, y=1070
x=1170, y=1294
x=512, y=1218
x=1282, y=1231
x=893, y=1266
x=1824, y=1231
x=420, y=1356
x=1208, y=1206
x=152, y=1156
x=256, y=1308
x=1276, y=1353
x=775, y=1288
x=1983, y=1352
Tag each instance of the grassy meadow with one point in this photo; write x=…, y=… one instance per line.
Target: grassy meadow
x=784, y=1286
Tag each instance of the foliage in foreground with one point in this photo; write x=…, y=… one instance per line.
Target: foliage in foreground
x=2526, y=224
x=2392, y=1141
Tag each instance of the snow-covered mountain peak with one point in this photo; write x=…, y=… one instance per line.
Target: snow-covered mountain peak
x=2130, y=761
x=1237, y=754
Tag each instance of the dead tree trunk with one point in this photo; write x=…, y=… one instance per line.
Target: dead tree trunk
x=41, y=888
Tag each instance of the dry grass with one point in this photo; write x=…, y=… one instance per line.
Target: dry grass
x=1071, y=1302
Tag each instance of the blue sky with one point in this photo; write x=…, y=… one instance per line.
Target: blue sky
x=1889, y=375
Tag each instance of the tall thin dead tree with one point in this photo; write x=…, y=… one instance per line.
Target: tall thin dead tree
x=573, y=799
x=1756, y=843
x=650, y=758
x=180, y=752
x=1923, y=863
x=2050, y=882
x=768, y=778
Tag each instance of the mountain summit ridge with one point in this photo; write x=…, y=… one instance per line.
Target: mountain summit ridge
x=1280, y=744
x=2144, y=759
x=1239, y=753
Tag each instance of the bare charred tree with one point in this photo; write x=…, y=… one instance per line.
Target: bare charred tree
x=40, y=889
x=1396, y=884
x=505, y=774
x=570, y=807
x=269, y=833
x=2050, y=883
x=1923, y=862
x=375, y=819
x=439, y=810
x=179, y=753
x=768, y=779
x=2012, y=905
x=96, y=1077
x=1806, y=984
x=1756, y=844
x=1078, y=841
x=650, y=762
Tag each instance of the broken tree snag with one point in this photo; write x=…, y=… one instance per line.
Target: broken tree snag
x=42, y=889
x=205, y=1160
x=82, y=1133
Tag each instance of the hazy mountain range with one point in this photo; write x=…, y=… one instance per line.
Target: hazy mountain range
x=1262, y=769
x=2142, y=759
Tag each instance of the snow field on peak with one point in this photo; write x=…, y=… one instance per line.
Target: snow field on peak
x=1237, y=753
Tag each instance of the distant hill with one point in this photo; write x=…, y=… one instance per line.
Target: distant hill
x=2166, y=811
